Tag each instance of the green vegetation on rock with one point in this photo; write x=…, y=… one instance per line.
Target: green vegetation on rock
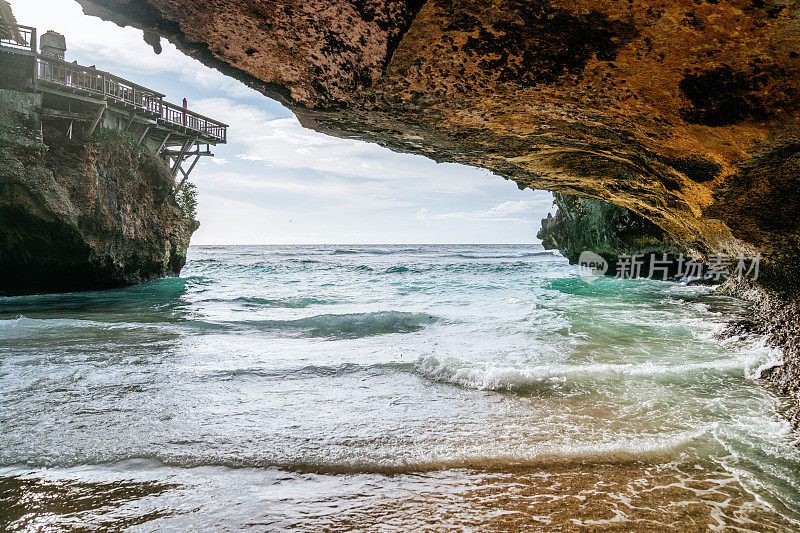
x=112, y=137
x=187, y=200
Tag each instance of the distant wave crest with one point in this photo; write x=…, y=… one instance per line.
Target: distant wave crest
x=504, y=255
x=350, y=325
x=253, y=301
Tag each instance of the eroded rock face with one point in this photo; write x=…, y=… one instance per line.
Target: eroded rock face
x=684, y=112
x=78, y=215
x=616, y=234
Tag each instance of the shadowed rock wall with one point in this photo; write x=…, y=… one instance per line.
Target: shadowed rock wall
x=79, y=215
x=585, y=224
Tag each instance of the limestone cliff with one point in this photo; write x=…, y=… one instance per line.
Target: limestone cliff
x=778, y=319
x=79, y=215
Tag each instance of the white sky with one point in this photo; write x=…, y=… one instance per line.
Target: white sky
x=277, y=183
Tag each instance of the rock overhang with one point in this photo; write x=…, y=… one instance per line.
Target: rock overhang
x=683, y=112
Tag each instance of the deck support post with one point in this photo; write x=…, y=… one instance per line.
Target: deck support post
x=187, y=172
x=163, y=143
x=144, y=134
x=180, y=157
x=35, y=50
x=130, y=122
x=96, y=120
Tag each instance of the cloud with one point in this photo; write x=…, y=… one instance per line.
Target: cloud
x=116, y=49
x=276, y=182
x=281, y=188
x=510, y=207
x=249, y=157
x=504, y=211
x=263, y=138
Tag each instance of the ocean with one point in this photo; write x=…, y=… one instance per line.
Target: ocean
x=396, y=387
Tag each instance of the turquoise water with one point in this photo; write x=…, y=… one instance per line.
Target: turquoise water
x=403, y=386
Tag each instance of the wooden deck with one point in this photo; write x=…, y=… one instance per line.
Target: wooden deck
x=85, y=97
x=126, y=95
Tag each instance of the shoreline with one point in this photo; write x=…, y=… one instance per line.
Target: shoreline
x=777, y=318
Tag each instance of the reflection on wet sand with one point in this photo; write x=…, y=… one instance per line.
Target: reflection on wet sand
x=572, y=498
x=563, y=497
x=29, y=503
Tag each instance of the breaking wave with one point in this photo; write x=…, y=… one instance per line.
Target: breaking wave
x=509, y=255
x=544, y=378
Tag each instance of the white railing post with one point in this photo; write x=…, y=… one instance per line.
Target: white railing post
x=35, y=50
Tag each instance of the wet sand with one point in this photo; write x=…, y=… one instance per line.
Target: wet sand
x=561, y=497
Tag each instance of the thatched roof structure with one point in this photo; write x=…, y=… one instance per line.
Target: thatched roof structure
x=7, y=17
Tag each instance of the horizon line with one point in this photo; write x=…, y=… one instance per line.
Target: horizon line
x=373, y=244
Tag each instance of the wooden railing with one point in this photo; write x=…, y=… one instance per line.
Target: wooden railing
x=195, y=121
x=100, y=82
x=18, y=37
x=123, y=91
x=116, y=90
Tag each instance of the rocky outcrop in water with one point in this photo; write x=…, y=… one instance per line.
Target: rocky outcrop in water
x=614, y=233
x=78, y=215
